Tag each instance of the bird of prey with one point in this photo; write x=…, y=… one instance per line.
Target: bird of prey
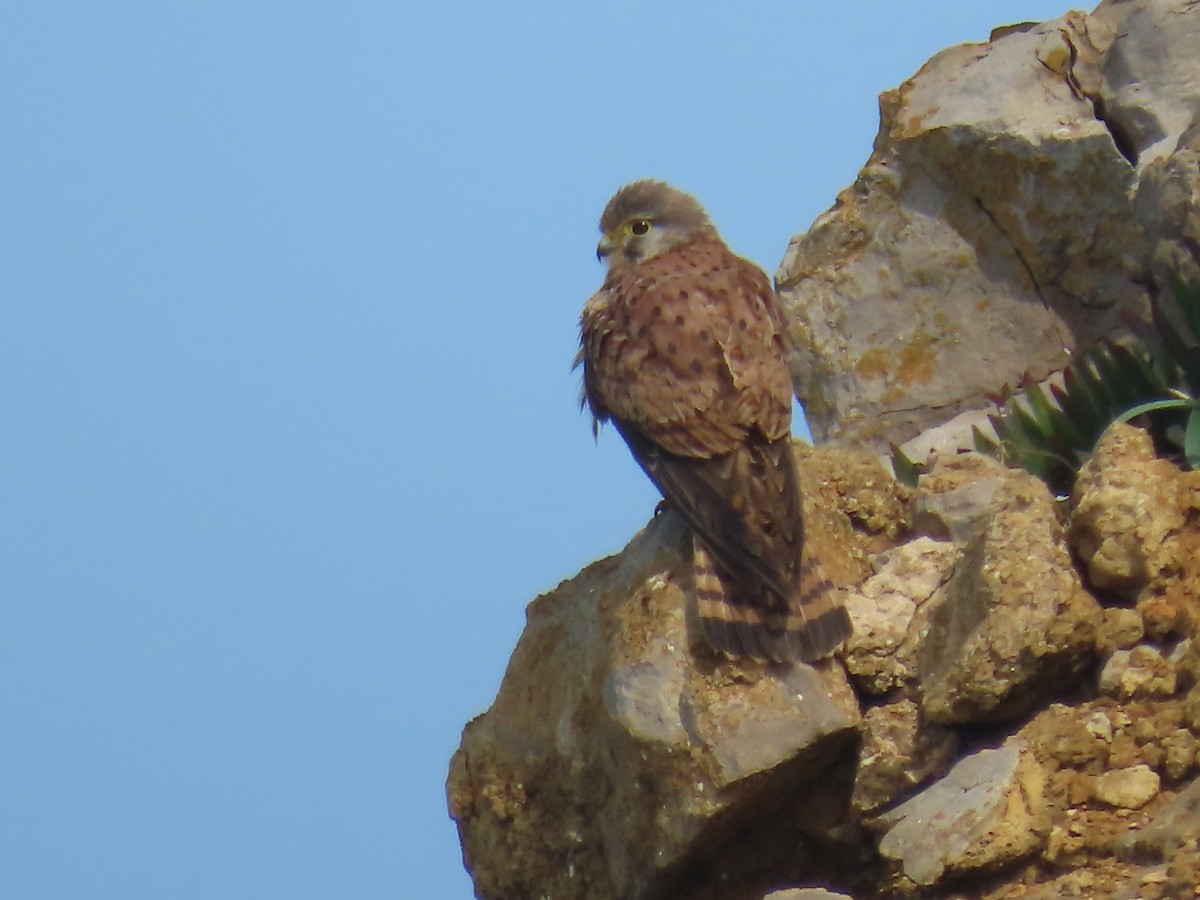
x=683, y=351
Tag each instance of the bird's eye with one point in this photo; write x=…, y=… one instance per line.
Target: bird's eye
x=641, y=226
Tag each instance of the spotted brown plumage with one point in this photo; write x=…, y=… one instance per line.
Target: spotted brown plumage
x=682, y=350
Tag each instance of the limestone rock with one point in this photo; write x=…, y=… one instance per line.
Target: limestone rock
x=1128, y=511
x=1128, y=788
x=1021, y=193
x=615, y=753
x=989, y=810
x=1150, y=96
x=1072, y=737
x=945, y=441
x=1120, y=629
x=955, y=498
x=899, y=753
x=1167, y=209
x=1141, y=672
x=853, y=508
x=1192, y=708
x=1176, y=823
x=881, y=651
x=1015, y=618
x=983, y=237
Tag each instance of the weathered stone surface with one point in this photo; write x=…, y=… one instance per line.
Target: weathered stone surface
x=1014, y=619
x=1177, y=822
x=1128, y=788
x=1020, y=194
x=1112, y=881
x=881, y=651
x=1191, y=708
x=853, y=508
x=955, y=498
x=1120, y=629
x=1167, y=209
x=1076, y=737
x=1142, y=672
x=955, y=263
x=945, y=441
x=806, y=894
x=899, y=753
x=988, y=811
x=1128, y=511
x=1150, y=93
x=615, y=753
x=1109, y=765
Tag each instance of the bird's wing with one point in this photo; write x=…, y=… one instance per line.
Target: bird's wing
x=745, y=504
x=758, y=594
x=687, y=348
x=684, y=353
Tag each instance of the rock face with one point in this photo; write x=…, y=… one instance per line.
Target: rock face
x=989, y=710
x=899, y=753
x=1017, y=713
x=1015, y=619
x=989, y=810
x=619, y=754
x=1130, y=515
x=1020, y=195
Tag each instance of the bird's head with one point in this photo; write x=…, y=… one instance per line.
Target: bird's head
x=645, y=219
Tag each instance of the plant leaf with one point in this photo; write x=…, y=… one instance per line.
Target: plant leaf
x=907, y=472
x=1191, y=439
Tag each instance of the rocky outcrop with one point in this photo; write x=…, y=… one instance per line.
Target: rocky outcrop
x=621, y=756
x=1130, y=509
x=989, y=810
x=1021, y=194
x=994, y=706
x=1015, y=620
x=1017, y=713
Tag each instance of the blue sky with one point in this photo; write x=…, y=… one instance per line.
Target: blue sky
x=289, y=300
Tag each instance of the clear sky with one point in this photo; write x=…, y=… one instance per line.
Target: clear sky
x=289, y=297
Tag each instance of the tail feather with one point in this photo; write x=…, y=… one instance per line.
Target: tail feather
x=723, y=626
x=807, y=626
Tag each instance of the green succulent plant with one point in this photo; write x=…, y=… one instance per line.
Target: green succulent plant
x=1153, y=377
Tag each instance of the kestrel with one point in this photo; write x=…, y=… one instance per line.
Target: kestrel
x=682, y=350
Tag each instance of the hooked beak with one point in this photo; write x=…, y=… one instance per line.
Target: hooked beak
x=605, y=247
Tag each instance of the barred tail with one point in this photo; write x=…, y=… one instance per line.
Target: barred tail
x=763, y=624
